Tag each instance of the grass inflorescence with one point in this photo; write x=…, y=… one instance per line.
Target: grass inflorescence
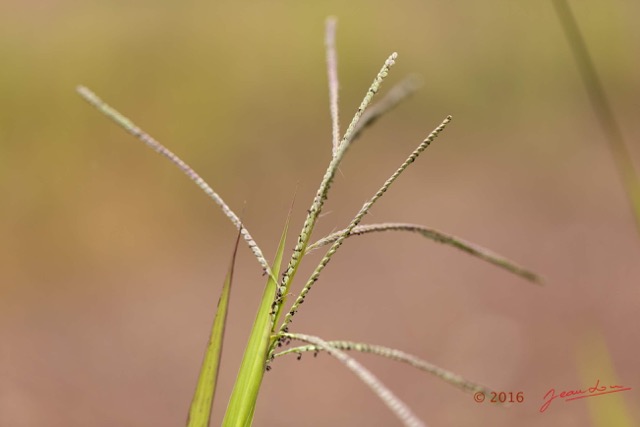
x=271, y=330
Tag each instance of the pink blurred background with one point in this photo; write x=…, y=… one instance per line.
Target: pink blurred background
x=111, y=261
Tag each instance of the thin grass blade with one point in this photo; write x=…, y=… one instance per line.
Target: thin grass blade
x=200, y=411
x=245, y=390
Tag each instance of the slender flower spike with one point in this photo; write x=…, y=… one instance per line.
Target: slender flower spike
x=356, y=220
x=332, y=71
x=134, y=130
x=398, y=407
x=397, y=355
x=325, y=185
x=436, y=236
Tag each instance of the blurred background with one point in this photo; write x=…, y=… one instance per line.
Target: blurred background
x=111, y=261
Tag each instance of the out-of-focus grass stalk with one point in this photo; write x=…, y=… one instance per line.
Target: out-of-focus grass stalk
x=596, y=365
x=389, y=101
x=601, y=106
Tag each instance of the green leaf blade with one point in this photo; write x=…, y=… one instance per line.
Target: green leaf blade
x=245, y=390
x=200, y=410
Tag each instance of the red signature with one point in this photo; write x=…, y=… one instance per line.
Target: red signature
x=596, y=390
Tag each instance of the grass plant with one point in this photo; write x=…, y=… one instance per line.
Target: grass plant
x=271, y=329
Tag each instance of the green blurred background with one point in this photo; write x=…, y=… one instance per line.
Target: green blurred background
x=111, y=261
